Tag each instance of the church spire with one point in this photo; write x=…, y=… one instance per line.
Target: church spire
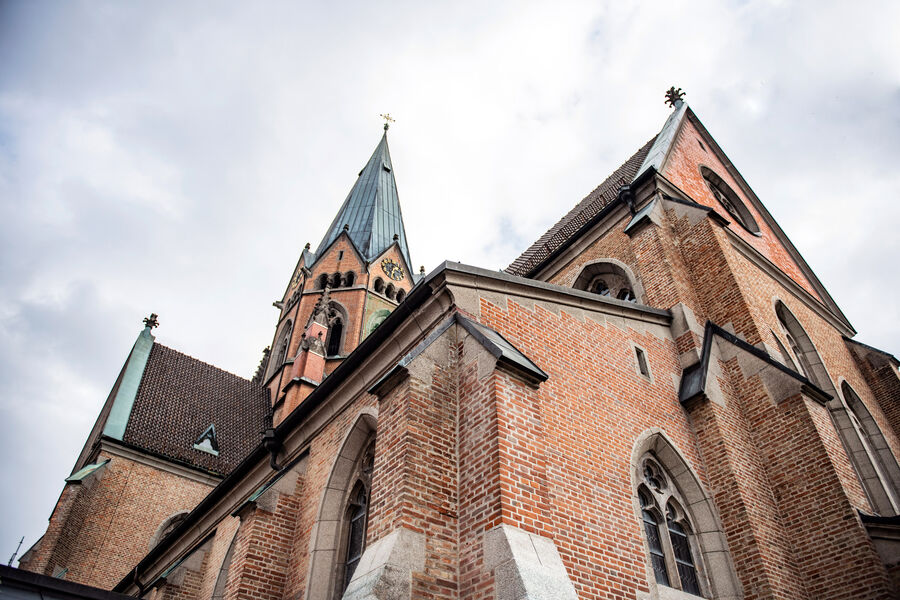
x=371, y=213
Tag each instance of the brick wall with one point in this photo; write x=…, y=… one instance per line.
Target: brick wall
x=100, y=529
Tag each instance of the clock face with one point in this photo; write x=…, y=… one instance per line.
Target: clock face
x=392, y=269
x=296, y=279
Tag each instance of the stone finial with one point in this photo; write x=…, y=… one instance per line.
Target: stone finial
x=674, y=96
x=306, y=247
x=422, y=270
x=320, y=310
x=151, y=321
x=346, y=227
x=396, y=237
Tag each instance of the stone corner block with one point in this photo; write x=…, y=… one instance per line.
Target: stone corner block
x=526, y=566
x=386, y=567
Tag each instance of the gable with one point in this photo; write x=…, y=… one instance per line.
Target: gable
x=693, y=152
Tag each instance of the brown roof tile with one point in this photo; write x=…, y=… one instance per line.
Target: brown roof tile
x=593, y=203
x=180, y=396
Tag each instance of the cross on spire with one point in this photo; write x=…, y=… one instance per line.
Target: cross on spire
x=387, y=120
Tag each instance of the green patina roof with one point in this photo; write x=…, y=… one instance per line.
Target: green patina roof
x=371, y=210
x=86, y=470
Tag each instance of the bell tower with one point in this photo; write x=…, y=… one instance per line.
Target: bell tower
x=339, y=294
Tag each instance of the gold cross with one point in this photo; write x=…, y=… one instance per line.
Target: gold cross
x=387, y=120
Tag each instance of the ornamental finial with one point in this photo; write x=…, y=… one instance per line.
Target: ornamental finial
x=387, y=120
x=151, y=321
x=674, y=96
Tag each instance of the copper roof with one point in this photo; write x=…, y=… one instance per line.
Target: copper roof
x=558, y=235
x=180, y=397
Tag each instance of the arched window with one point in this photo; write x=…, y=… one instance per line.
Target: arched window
x=378, y=286
x=626, y=294
x=357, y=513
x=389, y=291
x=281, y=352
x=349, y=278
x=609, y=279
x=336, y=280
x=678, y=556
x=335, y=335
x=376, y=320
x=222, y=577
x=729, y=200
x=401, y=294
x=322, y=281
x=599, y=287
x=356, y=518
x=328, y=550
x=807, y=359
x=871, y=456
x=672, y=555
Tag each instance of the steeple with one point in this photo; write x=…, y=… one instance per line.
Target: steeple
x=371, y=211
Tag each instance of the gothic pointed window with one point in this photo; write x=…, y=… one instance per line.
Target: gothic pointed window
x=322, y=281
x=356, y=518
x=356, y=531
x=667, y=530
x=871, y=455
x=681, y=548
x=336, y=280
x=222, y=577
x=349, y=278
x=654, y=540
x=729, y=200
x=335, y=333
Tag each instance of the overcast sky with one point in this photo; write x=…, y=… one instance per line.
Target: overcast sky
x=175, y=157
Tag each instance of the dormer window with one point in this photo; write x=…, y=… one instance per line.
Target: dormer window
x=729, y=200
x=208, y=442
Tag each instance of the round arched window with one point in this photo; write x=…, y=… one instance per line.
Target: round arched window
x=729, y=200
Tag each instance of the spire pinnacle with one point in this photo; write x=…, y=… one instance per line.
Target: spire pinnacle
x=151, y=321
x=674, y=96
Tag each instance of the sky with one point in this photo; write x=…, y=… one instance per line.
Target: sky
x=175, y=157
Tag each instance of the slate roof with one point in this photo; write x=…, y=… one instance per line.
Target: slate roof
x=180, y=397
x=593, y=203
x=371, y=209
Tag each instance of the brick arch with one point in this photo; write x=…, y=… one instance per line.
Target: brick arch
x=719, y=579
x=167, y=526
x=596, y=268
x=325, y=541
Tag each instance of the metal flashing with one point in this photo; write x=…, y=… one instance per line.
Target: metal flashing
x=640, y=217
x=86, y=471
x=693, y=378
x=118, y=417
x=664, y=140
x=502, y=350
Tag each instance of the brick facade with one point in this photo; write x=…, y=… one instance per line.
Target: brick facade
x=508, y=456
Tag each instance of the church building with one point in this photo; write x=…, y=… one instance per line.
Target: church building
x=657, y=400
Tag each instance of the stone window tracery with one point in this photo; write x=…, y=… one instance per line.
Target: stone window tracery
x=608, y=279
x=672, y=547
x=356, y=517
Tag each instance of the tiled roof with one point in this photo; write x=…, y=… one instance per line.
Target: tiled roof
x=180, y=397
x=593, y=203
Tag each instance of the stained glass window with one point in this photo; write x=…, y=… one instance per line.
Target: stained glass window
x=651, y=529
x=356, y=535
x=687, y=572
